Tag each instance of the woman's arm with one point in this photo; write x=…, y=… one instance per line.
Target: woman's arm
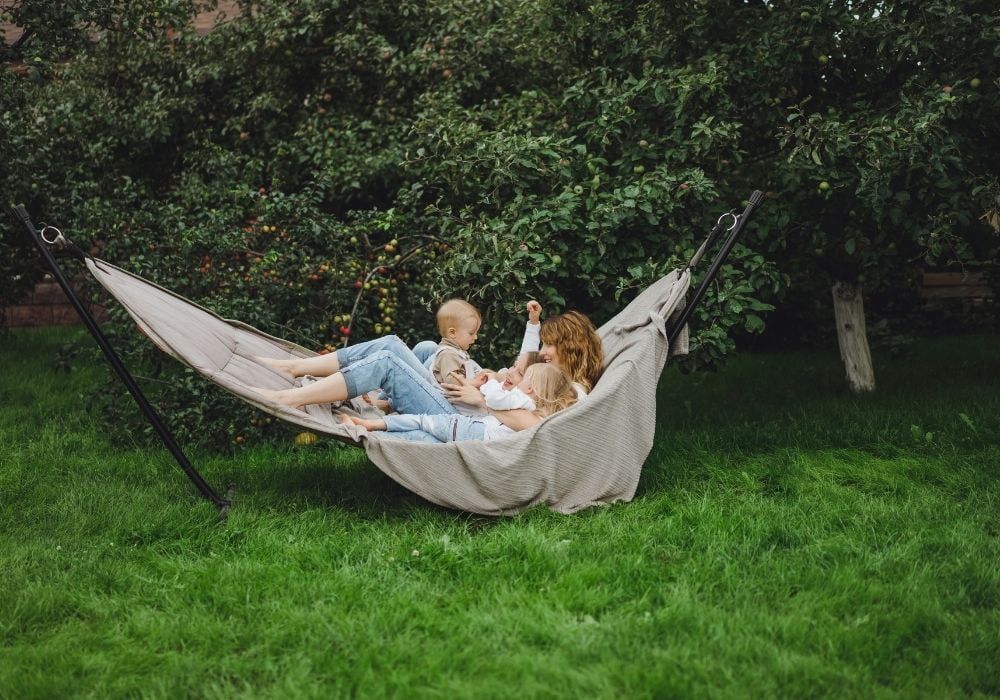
x=531, y=341
x=517, y=419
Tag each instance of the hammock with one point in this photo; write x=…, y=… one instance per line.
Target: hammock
x=591, y=453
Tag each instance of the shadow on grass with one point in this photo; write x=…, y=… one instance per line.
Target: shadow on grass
x=334, y=477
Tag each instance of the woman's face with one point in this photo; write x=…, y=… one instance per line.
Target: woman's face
x=549, y=354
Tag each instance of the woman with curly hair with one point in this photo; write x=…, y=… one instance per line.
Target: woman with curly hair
x=570, y=342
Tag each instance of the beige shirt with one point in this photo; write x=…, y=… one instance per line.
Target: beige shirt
x=449, y=363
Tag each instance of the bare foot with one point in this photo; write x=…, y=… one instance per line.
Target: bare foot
x=285, y=367
x=366, y=424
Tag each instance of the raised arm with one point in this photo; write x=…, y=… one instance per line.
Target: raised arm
x=532, y=340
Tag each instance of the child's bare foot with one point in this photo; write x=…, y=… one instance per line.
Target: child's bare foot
x=286, y=367
x=366, y=424
x=278, y=397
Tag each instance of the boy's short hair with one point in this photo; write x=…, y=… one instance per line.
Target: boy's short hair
x=453, y=312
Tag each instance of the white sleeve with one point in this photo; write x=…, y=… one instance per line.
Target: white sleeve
x=532, y=340
x=500, y=400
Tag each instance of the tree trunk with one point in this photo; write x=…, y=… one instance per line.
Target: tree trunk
x=849, y=310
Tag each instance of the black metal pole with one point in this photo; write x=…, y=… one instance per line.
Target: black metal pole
x=755, y=201
x=147, y=409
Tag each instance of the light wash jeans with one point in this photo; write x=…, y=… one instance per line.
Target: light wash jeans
x=431, y=428
x=387, y=363
x=424, y=350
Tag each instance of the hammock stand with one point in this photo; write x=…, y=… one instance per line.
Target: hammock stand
x=55, y=242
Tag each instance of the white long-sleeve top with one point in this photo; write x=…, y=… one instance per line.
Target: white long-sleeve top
x=532, y=338
x=500, y=399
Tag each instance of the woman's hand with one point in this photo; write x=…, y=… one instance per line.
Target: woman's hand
x=463, y=393
x=534, y=311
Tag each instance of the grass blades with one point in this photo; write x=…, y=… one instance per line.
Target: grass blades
x=787, y=539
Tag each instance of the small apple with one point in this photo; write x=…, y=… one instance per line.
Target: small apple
x=824, y=186
x=975, y=83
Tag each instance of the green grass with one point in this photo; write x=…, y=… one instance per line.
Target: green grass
x=788, y=539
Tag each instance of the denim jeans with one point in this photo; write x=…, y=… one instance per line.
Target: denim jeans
x=424, y=350
x=387, y=363
x=437, y=427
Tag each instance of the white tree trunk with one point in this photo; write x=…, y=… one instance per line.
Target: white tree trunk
x=849, y=310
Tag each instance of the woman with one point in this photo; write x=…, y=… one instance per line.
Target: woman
x=569, y=341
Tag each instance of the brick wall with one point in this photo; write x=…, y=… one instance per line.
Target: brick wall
x=45, y=306
x=203, y=22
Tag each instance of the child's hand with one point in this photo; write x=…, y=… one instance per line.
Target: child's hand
x=534, y=311
x=479, y=379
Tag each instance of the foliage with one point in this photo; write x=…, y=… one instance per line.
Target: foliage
x=503, y=150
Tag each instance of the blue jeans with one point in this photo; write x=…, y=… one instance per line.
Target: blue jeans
x=434, y=428
x=387, y=363
x=424, y=350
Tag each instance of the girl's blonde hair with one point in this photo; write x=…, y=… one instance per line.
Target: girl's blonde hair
x=551, y=389
x=575, y=339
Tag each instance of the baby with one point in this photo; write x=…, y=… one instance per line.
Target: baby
x=458, y=322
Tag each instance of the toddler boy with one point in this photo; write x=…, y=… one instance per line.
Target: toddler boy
x=458, y=322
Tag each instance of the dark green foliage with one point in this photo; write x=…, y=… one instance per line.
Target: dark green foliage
x=500, y=151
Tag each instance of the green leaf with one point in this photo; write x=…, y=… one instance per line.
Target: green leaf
x=753, y=323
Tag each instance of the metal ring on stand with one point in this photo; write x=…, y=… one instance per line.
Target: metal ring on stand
x=58, y=240
x=728, y=213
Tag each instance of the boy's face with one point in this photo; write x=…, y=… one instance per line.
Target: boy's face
x=466, y=333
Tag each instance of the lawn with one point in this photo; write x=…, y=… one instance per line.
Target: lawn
x=787, y=539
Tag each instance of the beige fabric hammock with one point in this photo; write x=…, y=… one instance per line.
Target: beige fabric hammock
x=591, y=453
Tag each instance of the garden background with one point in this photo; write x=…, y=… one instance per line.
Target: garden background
x=328, y=171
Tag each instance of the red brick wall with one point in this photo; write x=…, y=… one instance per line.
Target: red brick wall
x=203, y=22
x=45, y=306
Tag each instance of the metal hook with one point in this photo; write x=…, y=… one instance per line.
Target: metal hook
x=58, y=240
x=728, y=213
